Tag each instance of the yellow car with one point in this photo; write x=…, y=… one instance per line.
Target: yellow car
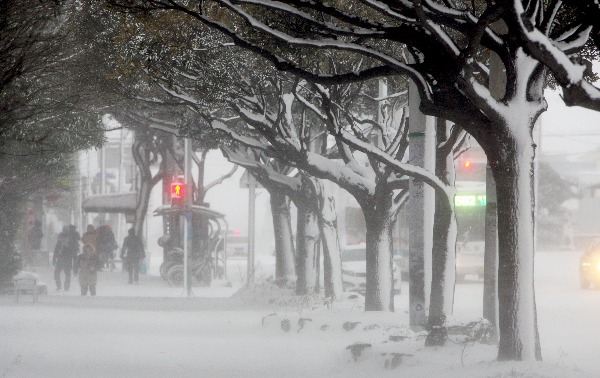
x=589, y=268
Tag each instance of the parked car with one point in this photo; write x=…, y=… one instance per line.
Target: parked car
x=589, y=267
x=237, y=244
x=469, y=259
x=354, y=269
x=401, y=259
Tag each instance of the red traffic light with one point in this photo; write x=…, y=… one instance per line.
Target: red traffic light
x=177, y=190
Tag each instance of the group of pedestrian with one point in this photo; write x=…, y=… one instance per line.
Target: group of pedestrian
x=104, y=242
x=97, y=253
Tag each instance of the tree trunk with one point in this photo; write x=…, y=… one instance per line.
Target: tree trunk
x=307, y=240
x=445, y=229
x=513, y=171
x=497, y=84
x=141, y=207
x=379, y=294
x=284, y=244
x=147, y=182
x=332, y=259
x=490, y=263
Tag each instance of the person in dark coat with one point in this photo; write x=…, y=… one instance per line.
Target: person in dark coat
x=86, y=267
x=105, y=244
x=90, y=236
x=132, y=253
x=62, y=260
x=74, y=239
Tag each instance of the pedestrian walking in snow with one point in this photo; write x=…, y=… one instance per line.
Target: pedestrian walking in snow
x=132, y=253
x=86, y=267
x=73, y=243
x=106, y=245
x=62, y=260
x=90, y=236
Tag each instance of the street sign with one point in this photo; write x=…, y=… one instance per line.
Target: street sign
x=245, y=179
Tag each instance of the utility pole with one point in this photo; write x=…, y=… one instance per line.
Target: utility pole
x=88, y=217
x=121, y=181
x=251, y=220
x=421, y=205
x=103, y=176
x=187, y=214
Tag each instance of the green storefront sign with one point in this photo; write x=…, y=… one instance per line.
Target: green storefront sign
x=469, y=200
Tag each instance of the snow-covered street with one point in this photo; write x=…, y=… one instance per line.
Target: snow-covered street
x=130, y=331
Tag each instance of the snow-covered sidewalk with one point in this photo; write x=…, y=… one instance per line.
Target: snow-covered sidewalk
x=131, y=335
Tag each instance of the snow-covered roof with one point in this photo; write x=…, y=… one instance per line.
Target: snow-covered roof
x=168, y=209
x=110, y=203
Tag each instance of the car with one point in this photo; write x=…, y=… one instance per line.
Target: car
x=237, y=244
x=469, y=259
x=589, y=267
x=401, y=259
x=354, y=269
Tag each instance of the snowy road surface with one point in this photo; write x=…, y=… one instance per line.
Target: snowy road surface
x=132, y=331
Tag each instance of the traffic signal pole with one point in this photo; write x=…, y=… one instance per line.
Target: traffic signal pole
x=187, y=214
x=251, y=224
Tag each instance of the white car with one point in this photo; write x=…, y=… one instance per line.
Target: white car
x=354, y=269
x=469, y=259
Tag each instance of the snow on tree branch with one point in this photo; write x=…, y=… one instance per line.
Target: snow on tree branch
x=571, y=75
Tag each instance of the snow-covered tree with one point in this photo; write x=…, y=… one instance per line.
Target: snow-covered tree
x=44, y=115
x=449, y=42
x=555, y=34
x=379, y=190
x=316, y=225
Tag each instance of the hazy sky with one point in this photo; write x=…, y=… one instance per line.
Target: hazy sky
x=569, y=130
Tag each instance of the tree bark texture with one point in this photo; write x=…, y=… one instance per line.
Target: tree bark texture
x=284, y=244
x=332, y=259
x=307, y=240
x=379, y=219
x=513, y=172
x=443, y=277
x=490, y=263
x=497, y=84
x=144, y=157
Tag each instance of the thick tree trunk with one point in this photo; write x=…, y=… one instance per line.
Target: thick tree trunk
x=147, y=182
x=490, y=260
x=443, y=277
x=379, y=294
x=141, y=208
x=284, y=243
x=332, y=260
x=497, y=84
x=443, y=270
x=513, y=171
x=307, y=240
